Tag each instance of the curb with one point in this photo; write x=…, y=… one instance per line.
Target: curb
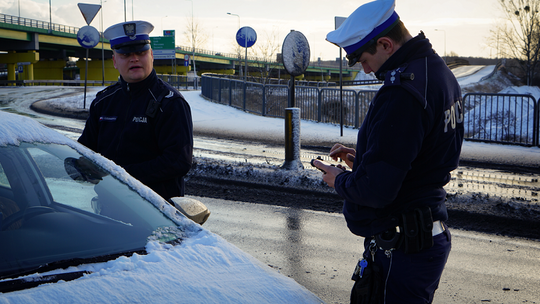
x=44, y=107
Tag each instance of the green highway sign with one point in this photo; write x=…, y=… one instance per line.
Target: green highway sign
x=162, y=42
x=163, y=47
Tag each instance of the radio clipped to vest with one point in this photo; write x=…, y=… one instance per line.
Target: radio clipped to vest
x=154, y=105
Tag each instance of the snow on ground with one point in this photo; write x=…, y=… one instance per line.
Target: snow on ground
x=222, y=120
x=534, y=91
x=468, y=74
x=229, y=122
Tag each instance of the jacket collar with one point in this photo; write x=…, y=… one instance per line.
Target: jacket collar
x=137, y=87
x=417, y=47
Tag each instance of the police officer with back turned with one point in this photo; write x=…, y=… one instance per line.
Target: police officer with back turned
x=141, y=123
x=407, y=146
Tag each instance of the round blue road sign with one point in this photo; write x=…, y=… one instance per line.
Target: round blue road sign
x=88, y=36
x=246, y=37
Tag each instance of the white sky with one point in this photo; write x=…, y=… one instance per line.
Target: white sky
x=463, y=24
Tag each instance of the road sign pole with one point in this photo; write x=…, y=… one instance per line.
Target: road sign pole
x=245, y=63
x=296, y=54
x=85, y=79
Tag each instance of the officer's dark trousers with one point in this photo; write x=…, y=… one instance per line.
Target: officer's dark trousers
x=413, y=278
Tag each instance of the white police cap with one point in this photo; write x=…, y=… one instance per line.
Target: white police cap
x=129, y=37
x=363, y=27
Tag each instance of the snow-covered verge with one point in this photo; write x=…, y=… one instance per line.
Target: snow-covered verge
x=482, y=82
x=269, y=184
x=258, y=174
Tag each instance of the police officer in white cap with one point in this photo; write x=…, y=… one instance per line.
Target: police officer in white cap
x=141, y=123
x=407, y=146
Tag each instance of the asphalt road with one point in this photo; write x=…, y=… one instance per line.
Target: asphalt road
x=317, y=250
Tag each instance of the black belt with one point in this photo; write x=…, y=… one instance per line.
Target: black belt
x=391, y=239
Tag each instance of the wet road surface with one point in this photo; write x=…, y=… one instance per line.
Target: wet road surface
x=317, y=250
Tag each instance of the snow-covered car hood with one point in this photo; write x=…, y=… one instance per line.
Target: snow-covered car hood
x=203, y=269
x=200, y=267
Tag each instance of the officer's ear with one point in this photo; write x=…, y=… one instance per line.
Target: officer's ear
x=114, y=58
x=386, y=43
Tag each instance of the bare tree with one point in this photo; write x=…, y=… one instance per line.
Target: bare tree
x=518, y=38
x=196, y=37
x=239, y=51
x=265, y=52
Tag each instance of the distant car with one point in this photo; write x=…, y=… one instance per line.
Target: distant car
x=76, y=228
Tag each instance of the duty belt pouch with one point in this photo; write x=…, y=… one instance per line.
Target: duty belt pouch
x=417, y=230
x=368, y=279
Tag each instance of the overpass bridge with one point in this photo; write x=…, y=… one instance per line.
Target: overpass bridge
x=38, y=50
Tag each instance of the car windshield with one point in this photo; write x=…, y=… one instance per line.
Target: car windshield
x=57, y=205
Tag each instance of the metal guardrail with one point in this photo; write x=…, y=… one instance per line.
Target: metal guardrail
x=493, y=118
x=316, y=104
x=38, y=24
x=501, y=118
x=181, y=81
x=177, y=81
x=361, y=82
x=53, y=82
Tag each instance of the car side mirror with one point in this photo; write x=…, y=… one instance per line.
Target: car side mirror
x=191, y=208
x=82, y=169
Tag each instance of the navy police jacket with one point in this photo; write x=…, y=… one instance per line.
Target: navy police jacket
x=146, y=128
x=408, y=144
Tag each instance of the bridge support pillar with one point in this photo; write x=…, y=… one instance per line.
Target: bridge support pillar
x=13, y=59
x=11, y=72
x=50, y=70
x=95, y=70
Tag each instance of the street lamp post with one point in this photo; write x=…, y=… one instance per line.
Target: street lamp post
x=50, y=17
x=445, y=57
x=239, y=62
x=162, y=23
x=236, y=16
x=193, y=40
x=102, y=49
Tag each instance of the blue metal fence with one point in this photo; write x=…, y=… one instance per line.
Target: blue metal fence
x=496, y=118
x=501, y=118
x=316, y=104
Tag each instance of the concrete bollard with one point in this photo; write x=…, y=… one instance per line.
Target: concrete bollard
x=292, y=140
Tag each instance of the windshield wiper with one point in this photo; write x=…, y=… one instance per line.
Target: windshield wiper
x=30, y=282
